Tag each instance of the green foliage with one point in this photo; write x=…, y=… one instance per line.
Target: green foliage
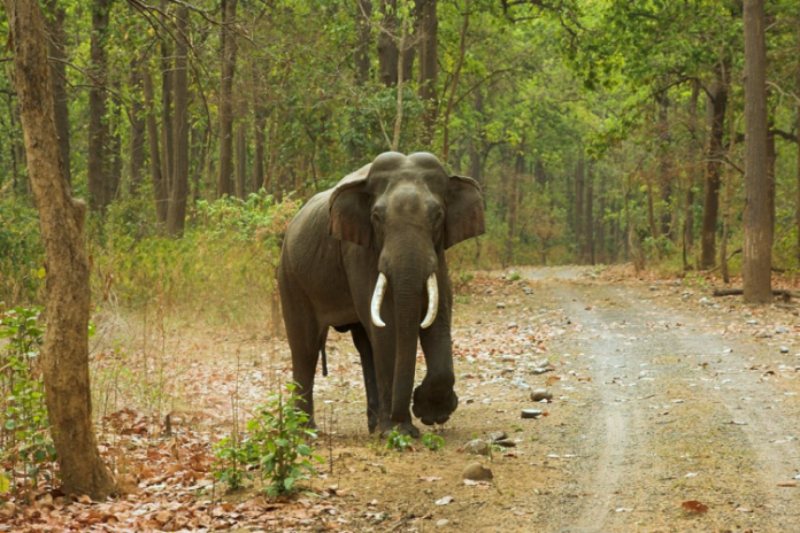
x=277, y=443
x=433, y=442
x=222, y=266
x=25, y=442
x=398, y=441
x=21, y=253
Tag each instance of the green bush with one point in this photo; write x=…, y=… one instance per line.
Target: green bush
x=25, y=443
x=277, y=444
x=21, y=253
x=222, y=266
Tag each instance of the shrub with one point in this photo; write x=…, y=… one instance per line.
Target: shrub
x=277, y=444
x=25, y=442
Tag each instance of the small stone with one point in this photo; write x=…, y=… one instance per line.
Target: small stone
x=495, y=436
x=537, y=395
x=705, y=301
x=752, y=322
x=501, y=305
x=477, y=472
x=477, y=447
x=442, y=522
x=784, y=349
x=531, y=413
x=445, y=500
x=653, y=288
x=781, y=329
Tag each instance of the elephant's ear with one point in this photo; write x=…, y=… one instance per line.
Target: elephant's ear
x=350, y=209
x=464, y=210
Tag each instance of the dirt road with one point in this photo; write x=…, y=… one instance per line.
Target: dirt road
x=671, y=412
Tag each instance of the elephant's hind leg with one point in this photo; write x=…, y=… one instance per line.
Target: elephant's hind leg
x=361, y=340
x=306, y=338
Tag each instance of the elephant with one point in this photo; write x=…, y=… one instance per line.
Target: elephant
x=368, y=256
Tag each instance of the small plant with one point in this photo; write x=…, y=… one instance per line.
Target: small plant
x=279, y=438
x=399, y=441
x=513, y=276
x=231, y=463
x=25, y=442
x=277, y=443
x=433, y=442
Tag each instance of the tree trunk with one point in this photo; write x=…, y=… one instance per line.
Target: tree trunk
x=579, y=211
x=159, y=183
x=388, y=51
x=688, y=218
x=716, y=151
x=137, y=135
x=664, y=164
x=588, y=252
x=363, y=16
x=756, y=266
x=98, y=129
x=179, y=191
x=58, y=73
x=65, y=354
x=167, y=127
x=241, y=153
x=451, y=98
x=797, y=129
x=428, y=64
x=225, y=181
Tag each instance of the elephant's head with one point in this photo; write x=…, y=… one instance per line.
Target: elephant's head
x=408, y=210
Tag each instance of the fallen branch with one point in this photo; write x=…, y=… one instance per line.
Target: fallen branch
x=783, y=293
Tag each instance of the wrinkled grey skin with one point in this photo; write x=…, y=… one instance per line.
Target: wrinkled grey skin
x=396, y=215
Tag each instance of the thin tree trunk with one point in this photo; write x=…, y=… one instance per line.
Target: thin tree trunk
x=98, y=129
x=579, y=211
x=137, y=134
x=688, y=217
x=58, y=72
x=225, y=181
x=176, y=215
x=398, y=117
x=159, y=183
x=428, y=64
x=65, y=354
x=756, y=266
x=716, y=152
x=167, y=127
x=451, y=99
x=241, y=154
x=664, y=164
x=589, y=224
x=388, y=51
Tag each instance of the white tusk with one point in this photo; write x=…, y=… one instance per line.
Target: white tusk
x=433, y=302
x=377, y=300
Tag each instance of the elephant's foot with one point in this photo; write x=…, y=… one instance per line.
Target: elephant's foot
x=372, y=421
x=434, y=405
x=404, y=428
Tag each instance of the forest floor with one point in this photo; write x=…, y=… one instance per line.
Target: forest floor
x=672, y=410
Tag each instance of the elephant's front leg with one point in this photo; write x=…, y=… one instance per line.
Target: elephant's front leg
x=392, y=415
x=434, y=399
x=364, y=348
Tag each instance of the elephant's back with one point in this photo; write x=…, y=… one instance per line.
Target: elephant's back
x=311, y=260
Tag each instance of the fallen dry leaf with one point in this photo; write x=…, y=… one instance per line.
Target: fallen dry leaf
x=694, y=506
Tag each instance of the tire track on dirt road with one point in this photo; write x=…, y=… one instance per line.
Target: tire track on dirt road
x=674, y=415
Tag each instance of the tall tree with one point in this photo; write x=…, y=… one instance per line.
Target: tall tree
x=718, y=103
x=756, y=268
x=97, y=165
x=160, y=192
x=427, y=29
x=65, y=354
x=179, y=192
x=58, y=71
x=228, y=67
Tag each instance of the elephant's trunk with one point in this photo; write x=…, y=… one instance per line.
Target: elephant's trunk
x=408, y=301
